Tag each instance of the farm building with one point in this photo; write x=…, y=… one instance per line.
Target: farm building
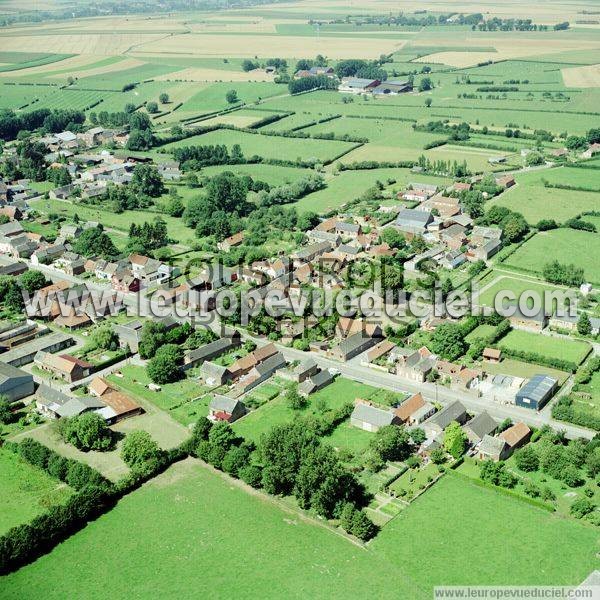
x=55, y=404
x=25, y=353
x=211, y=350
x=413, y=221
x=414, y=410
x=492, y=448
x=516, y=436
x=370, y=418
x=354, y=85
x=352, y=346
x=392, y=88
x=14, y=383
x=64, y=366
x=117, y=406
x=536, y=392
x=315, y=382
x=222, y=408
x=214, y=374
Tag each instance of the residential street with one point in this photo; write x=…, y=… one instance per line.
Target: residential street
x=354, y=370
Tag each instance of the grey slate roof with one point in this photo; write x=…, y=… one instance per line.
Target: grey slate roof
x=8, y=372
x=223, y=403
x=75, y=406
x=371, y=414
x=305, y=365
x=271, y=364
x=491, y=445
x=409, y=217
x=482, y=424
x=448, y=414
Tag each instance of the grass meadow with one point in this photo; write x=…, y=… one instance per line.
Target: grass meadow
x=452, y=523
x=569, y=246
x=550, y=347
x=536, y=202
x=25, y=491
x=269, y=146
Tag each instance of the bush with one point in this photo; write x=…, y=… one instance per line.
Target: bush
x=252, y=475
x=581, y=507
x=138, y=448
x=527, y=459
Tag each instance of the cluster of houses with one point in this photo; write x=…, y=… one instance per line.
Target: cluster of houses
x=439, y=219
x=126, y=275
x=102, y=398
x=484, y=439
x=421, y=365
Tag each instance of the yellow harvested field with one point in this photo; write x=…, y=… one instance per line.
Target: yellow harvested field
x=200, y=74
x=265, y=46
x=122, y=65
x=75, y=62
x=99, y=44
x=582, y=77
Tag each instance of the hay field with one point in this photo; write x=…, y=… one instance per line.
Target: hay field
x=74, y=62
x=206, y=74
x=265, y=46
x=80, y=43
x=119, y=65
x=582, y=77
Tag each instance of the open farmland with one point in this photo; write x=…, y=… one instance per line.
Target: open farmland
x=309, y=554
x=497, y=282
x=569, y=246
x=270, y=147
x=536, y=202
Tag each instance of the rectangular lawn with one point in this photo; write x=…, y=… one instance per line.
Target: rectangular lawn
x=551, y=347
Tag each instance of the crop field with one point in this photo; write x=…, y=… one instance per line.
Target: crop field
x=310, y=555
x=269, y=146
x=18, y=96
x=568, y=246
x=25, y=491
x=524, y=341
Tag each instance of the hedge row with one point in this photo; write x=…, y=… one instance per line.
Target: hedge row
x=95, y=495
